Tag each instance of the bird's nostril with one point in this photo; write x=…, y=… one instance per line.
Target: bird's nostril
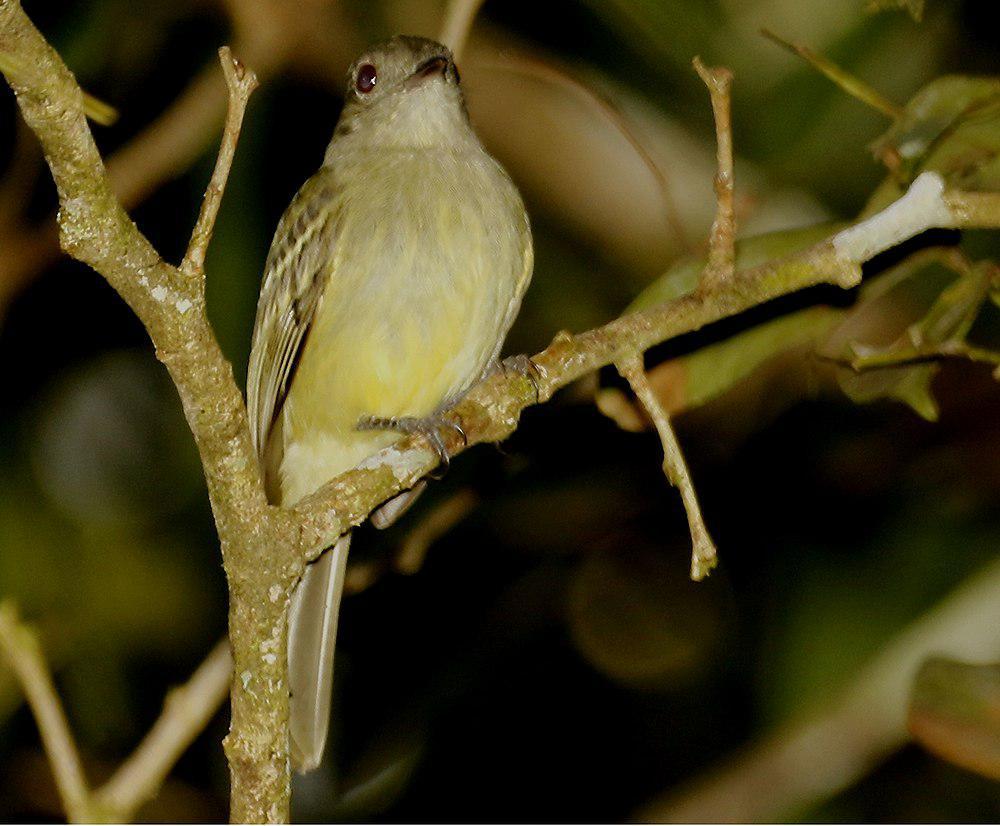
x=436, y=65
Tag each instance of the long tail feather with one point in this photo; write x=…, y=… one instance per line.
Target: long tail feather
x=312, y=636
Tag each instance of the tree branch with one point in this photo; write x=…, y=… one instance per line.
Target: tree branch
x=722, y=242
x=258, y=546
x=265, y=548
x=457, y=24
x=807, y=762
x=186, y=712
x=241, y=82
x=855, y=87
x=491, y=410
x=173, y=141
x=19, y=645
x=703, y=552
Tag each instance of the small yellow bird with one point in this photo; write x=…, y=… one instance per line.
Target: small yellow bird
x=391, y=283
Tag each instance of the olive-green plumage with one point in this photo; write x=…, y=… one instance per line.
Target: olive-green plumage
x=392, y=280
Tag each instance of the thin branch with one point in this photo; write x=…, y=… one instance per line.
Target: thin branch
x=264, y=548
x=807, y=762
x=972, y=209
x=258, y=543
x=491, y=410
x=722, y=242
x=854, y=86
x=412, y=551
x=703, y=552
x=19, y=644
x=606, y=108
x=163, y=150
x=96, y=109
x=241, y=82
x=430, y=528
x=879, y=359
x=186, y=712
x=457, y=24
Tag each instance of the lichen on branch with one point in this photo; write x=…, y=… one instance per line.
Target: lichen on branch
x=265, y=548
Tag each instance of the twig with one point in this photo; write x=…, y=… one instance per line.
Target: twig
x=805, y=763
x=955, y=713
x=457, y=24
x=19, y=644
x=540, y=70
x=854, y=86
x=259, y=545
x=703, y=552
x=186, y=712
x=491, y=410
x=241, y=82
x=163, y=150
x=265, y=548
x=96, y=109
x=434, y=524
x=722, y=243
x=412, y=551
x=890, y=358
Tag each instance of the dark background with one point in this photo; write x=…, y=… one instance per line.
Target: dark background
x=550, y=660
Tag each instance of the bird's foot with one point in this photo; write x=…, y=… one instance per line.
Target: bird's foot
x=522, y=365
x=429, y=427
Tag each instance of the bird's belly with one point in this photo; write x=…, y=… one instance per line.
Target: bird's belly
x=408, y=356
x=405, y=354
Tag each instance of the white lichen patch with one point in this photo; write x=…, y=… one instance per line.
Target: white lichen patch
x=183, y=305
x=921, y=208
x=274, y=593
x=270, y=645
x=159, y=293
x=911, y=149
x=403, y=463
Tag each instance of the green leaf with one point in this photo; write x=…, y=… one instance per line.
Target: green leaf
x=889, y=308
x=682, y=277
x=898, y=367
x=951, y=126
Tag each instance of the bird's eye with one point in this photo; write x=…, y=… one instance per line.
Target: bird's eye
x=367, y=77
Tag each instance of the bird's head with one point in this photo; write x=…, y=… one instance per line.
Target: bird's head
x=403, y=92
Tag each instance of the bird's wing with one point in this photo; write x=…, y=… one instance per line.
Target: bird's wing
x=521, y=286
x=302, y=256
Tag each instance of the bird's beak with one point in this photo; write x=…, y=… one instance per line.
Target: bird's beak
x=435, y=66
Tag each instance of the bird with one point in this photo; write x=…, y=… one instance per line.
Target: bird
x=391, y=282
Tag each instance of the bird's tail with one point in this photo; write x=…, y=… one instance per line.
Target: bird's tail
x=312, y=636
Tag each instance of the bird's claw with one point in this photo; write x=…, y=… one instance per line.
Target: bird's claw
x=430, y=428
x=523, y=365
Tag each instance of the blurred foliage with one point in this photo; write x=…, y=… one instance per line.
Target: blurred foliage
x=551, y=656
x=951, y=126
x=955, y=712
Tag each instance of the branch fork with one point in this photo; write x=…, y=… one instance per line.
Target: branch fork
x=265, y=548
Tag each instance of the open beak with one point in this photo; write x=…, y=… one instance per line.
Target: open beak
x=435, y=66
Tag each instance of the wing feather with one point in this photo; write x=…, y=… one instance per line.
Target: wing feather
x=298, y=267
